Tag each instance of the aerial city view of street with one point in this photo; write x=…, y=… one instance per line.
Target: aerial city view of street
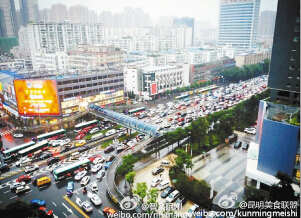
x=161, y=108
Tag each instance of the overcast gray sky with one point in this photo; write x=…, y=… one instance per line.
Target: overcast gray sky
x=201, y=10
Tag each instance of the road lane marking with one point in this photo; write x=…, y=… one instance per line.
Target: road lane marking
x=65, y=214
x=54, y=204
x=14, y=197
x=6, y=191
x=76, y=207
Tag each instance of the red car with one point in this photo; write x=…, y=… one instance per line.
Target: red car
x=43, y=211
x=79, y=170
x=183, y=107
x=181, y=119
x=24, y=178
x=178, y=113
x=93, y=157
x=108, y=210
x=178, y=107
x=194, y=104
x=89, y=127
x=83, y=131
x=80, y=136
x=45, y=149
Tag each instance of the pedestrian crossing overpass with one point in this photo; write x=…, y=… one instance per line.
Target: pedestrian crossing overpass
x=126, y=121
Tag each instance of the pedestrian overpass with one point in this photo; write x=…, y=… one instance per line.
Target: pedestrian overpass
x=126, y=121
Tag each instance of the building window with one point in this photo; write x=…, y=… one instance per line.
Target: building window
x=100, y=77
x=297, y=85
x=82, y=80
x=297, y=29
x=290, y=76
x=105, y=76
x=75, y=87
x=95, y=78
x=60, y=83
x=88, y=79
x=83, y=86
x=296, y=39
x=89, y=85
x=283, y=93
x=297, y=95
x=94, y=84
x=288, y=85
x=75, y=81
x=292, y=67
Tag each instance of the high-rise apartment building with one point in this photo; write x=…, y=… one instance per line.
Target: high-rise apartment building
x=8, y=19
x=46, y=14
x=277, y=142
x=59, y=13
x=266, y=24
x=284, y=80
x=238, y=23
x=55, y=37
x=188, y=21
x=78, y=14
x=29, y=11
x=106, y=18
x=92, y=16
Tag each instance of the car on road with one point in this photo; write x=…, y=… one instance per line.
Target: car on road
x=110, y=132
x=4, y=167
x=94, y=130
x=53, y=160
x=110, y=158
x=22, y=189
x=31, y=168
x=237, y=144
x=109, y=148
x=60, y=142
x=167, y=191
x=107, y=165
x=121, y=147
x=44, y=212
x=64, y=150
x=100, y=174
x=83, y=148
x=87, y=207
x=245, y=146
x=38, y=202
x=45, y=155
x=94, y=187
x=172, y=196
x=70, y=186
x=15, y=185
x=181, y=123
x=23, y=161
x=85, y=180
x=93, y=157
x=184, y=115
x=96, y=168
x=23, y=178
x=98, y=160
x=156, y=182
x=95, y=199
x=157, y=170
x=159, y=120
x=78, y=170
x=80, y=143
x=130, y=143
x=35, y=179
x=18, y=135
x=80, y=175
x=109, y=211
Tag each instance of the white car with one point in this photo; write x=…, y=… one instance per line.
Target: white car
x=15, y=185
x=94, y=187
x=23, y=161
x=190, y=112
x=192, y=210
x=166, y=125
x=186, y=125
x=95, y=199
x=130, y=143
x=18, y=135
x=61, y=142
x=172, y=196
x=251, y=131
x=31, y=168
x=159, y=120
x=98, y=160
x=173, y=127
x=156, y=182
x=94, y=130
x=80, y=175
x=84, y=156
x=85, y=180
x=96, y=168
x=87, y=206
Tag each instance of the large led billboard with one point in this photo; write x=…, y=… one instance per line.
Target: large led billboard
x=37, y=97
x=154, y=88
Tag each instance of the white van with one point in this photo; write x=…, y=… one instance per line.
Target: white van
x=75, y=155
x=163, y=185
x=97, y=136
x=165, y=163
x=110, y=132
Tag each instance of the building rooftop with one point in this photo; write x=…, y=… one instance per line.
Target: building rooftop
x=158, y=68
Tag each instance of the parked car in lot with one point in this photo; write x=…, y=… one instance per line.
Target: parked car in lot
x=167, y=191
x=80, y=136
x=31, y=168
x=172, y=196
x=98, y=160
x=245, y=146
x=237, y=144
x=157, y=170
x=156, y=182
x=96, y=168
x=181, y=200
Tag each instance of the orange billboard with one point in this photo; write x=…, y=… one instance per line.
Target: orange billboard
x=37, y=97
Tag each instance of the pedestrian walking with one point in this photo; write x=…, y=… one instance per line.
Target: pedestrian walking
x=161, y=175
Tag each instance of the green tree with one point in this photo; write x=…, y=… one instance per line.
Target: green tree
x=266, y=66
x=127, y=165
x=130, y=177
x=254, y=194
x=179, y=134
x=167, y=92
x=178, y=89
x=141, y=190
x=238, y=112
x=152, y=195
x=198, y=130
x=283, y=190
x=183, y=160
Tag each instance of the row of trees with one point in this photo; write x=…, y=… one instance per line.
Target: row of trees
x=246, y=72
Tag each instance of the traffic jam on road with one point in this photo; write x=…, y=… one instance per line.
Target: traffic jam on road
x=52, y=169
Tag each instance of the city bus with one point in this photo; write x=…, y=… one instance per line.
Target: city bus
x=208, y=88
x=52, y=135
x=181, y=97
x=12, y=152
x=86, y=125
x=68, y=170
x=136, y=111
x=33, y=148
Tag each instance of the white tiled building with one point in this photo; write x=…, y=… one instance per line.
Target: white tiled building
x=50, y=61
